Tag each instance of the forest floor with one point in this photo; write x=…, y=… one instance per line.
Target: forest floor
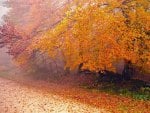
x=20, y=98
x=38, y=96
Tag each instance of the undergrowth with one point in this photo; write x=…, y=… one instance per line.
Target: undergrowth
x=127, y=89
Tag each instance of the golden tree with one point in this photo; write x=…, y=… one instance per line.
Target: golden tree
x=99, y=33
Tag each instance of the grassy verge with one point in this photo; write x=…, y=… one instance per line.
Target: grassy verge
x=127, y=89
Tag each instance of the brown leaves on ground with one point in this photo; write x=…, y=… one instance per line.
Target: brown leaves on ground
x=19, y=98
x=113, y=103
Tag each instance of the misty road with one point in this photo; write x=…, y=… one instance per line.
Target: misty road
x=18, y=98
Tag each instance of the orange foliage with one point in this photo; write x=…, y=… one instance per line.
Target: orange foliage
x=99, y=33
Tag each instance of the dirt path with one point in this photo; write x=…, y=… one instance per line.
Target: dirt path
x=17, y=98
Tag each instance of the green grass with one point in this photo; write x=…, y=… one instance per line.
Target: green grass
x=143, y=93
x=140, y=94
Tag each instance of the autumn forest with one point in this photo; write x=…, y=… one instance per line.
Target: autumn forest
x=100, y=48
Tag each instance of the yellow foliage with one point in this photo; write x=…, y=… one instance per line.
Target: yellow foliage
x=98, y=35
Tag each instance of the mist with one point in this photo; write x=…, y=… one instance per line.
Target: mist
x=74, y=56
x=6, y=63
x=3, y=11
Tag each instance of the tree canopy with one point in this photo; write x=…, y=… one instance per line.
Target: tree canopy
x=98, y=33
